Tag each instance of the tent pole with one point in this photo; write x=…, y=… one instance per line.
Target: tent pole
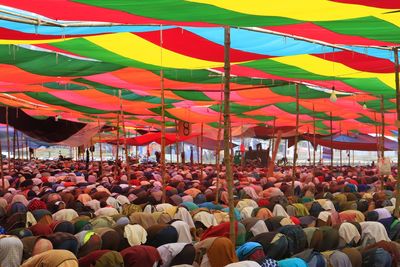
x=198, y=148
x=242, y=141
x=163, y=135
x=14, y=144
x=201, y=150
x=296, y=138
x=273, y=133
x=382, y=142
x=314, y=145
x=127, y=161
x=136, y=148
x=27, y=148
x=397, y=69
x=8, y=140
x=227, y=135
x=100, y=148
x=275, y=149
x=162, y=160
x=308, y=148
x=331, y=140
x=18, y=146
x=340, y=151
x=1, y=166
x=382, y=127
x=376, y=136
x=117, y=152
x=177, y=142
x=217, y=152
x=230, y=139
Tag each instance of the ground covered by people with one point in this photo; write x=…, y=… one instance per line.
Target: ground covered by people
x=65, y=213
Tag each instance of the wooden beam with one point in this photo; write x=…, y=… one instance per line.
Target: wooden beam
x=331, y=139
x=162, y=159
x=8, y=140
x=397, y=82
x=296, y=139
x=227, y=130
x=271, y=164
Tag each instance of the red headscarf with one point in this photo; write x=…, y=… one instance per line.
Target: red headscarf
x=36, y=204
x=41, y=229
x=221, y=230
x=140, y=256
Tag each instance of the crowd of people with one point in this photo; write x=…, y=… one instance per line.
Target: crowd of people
x=67, y=213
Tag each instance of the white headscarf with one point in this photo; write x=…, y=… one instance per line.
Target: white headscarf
x=280, y=211
x=169, y=251
x=183, y=230
x=375, y=230
x=135, y=234
x=348, y=232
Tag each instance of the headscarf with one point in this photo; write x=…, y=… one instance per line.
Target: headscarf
x=111, y=258
x=88, y=241
x=11, y=250
x=292, y=262
x=43, y=216
x=354, y=256
x=34, y=245
x=64, y=241
x=348, y=232
x=36, y=204
x=135, y=234
x=250, y=251
x=338, y=258
x=144, y=219
x=186, y=256
x=183, y=229
x=41, y=229
x=374, y=229
x=221, y=230
x=244, y=264
x=51, y=258
x=102, y=258
x=184, y=215
x=110, y=238
x=20, y=198
x=140, y=256
x=65, y=215
x=169, y=251
x=160, y=234
x=84, y=198
x=221, y=252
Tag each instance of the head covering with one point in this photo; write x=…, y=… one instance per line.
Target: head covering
x=349, y=233
x=292, y=262
x=183, y=229
x=135, y=234
x=11, y=249
x=169, y=251
x=221, y=252
x=250, y=251
x=51, y=258
x=140, y=256
x=161, y=234
x=34, y=245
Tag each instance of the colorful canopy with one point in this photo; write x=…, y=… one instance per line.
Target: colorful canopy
x=84, y=60
x=361, y=142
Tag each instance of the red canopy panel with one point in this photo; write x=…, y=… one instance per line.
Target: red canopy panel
x=148, y=138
